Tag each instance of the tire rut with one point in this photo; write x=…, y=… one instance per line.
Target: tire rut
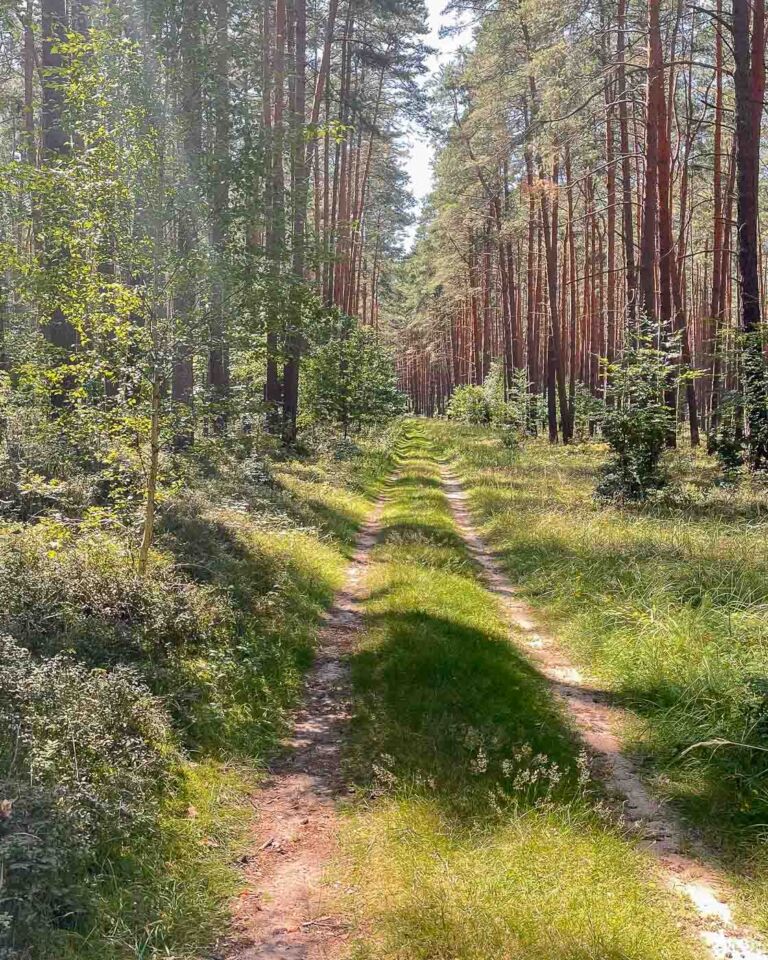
x=597, y=723
x=283, y=914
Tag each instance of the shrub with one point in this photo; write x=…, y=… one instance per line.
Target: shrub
x=349, y=377
x=519, y=401
x=588, y=412
x=82, y=756
x=510, y=437
x=726, y=441
x=63, y=592
x=637, y=425
x=494, y=393
x=507, y=404
x=40, y=472
x=26, y=494
x=636, y=438
x=469, y=405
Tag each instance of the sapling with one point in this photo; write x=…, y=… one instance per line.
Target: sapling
x=638, y=423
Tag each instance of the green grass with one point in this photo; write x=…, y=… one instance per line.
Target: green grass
x=667, y=603
x=168, y=895
x=475, y=834
x=268, y=558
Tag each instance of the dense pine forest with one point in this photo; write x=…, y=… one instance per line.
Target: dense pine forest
x=598, y=186
x=383, y=570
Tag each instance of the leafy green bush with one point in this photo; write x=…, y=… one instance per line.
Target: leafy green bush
x=82, y=755
x=469, y=404
x=588, y=412
x=40, y=471
x=190, y=630
x=494, y=392
x=510, y=436
x=507, y=404
x=636, y=438
x=726, y=440
x=349, y=377
x=218, y=631
x=519, y=401
x=637, y=425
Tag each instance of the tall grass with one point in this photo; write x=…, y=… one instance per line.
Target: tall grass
x=475, y=834
x=666, y=602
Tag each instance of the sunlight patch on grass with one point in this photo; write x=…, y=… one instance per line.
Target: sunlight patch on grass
x=341, y=510
x=536, y=887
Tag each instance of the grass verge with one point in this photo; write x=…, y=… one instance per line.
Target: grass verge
x=476, y=834
x=667, y=603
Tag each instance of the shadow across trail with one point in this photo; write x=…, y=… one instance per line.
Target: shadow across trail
x=479, y=834
x=669, y=604
x=443, y=701
x=453, y=707
x=684, y=866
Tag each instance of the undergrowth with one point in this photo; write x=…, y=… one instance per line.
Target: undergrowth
x=136, y=710
x=666, y=602
x=476, y=833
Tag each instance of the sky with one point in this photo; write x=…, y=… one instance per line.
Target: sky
x=420, y=153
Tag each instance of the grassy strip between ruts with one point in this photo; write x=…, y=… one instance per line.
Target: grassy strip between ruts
x=475, y=835
x=667, y=603
x=257, y=551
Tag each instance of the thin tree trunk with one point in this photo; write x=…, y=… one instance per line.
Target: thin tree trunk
x=55, y=147
x=276, y=228
x=626, y=170
x=218, y=348
x=549, y=216
x=294, y=338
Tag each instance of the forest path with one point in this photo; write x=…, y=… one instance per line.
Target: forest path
x=680, y=864
x=283, y=914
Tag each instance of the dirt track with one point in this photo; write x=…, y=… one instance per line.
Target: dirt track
x=283, y=914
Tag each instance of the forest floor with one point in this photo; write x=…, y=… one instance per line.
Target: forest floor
x=683, y=864
x=481, y=805
x=249, y=557
x=665, y=606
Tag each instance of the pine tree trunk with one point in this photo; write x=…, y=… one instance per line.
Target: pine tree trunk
x=749, y=88
x=218, y=348
x=300, y=188
x=55, y=147
x=556, y=370
x=628, y=232
x=276, y=226
x=654, y=93
x=185, y=300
